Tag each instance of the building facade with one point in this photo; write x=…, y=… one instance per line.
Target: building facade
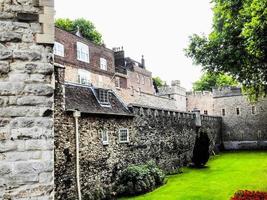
x=244, y=124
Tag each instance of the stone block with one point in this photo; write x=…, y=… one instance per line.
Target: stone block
x=5, y=54
x=39, y=144
x=4, y=67
x=10, y=37
x=6, y=146
x=39, y=89
x=7, y=88
x=31, y=133
x=34, y=100
x=22, y=111
x=5, y=168
x=22, y=156
x=17, y=77
x=27, y=55
x=46, y=177
x=38, y=78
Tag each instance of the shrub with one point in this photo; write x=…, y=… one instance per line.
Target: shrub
x=201, y=150
x=139, y=179
x=249, y=195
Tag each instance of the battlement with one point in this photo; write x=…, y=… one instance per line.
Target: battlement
x=227, y=91
x=199, y=93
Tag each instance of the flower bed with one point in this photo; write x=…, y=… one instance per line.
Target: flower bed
x=249, y=195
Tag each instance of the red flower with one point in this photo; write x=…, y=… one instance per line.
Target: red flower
x=249, y=195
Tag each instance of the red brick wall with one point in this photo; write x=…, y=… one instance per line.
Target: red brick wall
x=69, y=41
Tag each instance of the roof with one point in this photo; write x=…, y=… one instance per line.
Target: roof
x=84, y=99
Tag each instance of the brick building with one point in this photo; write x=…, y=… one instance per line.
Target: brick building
x=84, y=61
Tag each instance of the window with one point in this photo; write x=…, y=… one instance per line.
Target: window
x=83, y=77
x=205, y=112
x=117, y=82
x=103, y=96
x=132, y=89
x=142, y=79
x=123, y=135
x=103, y=64
x=223, y=112
x=82, y=52
x=138, y=78
x=59, y=49
x=104, y=137
x=253, y=110
x=237, y=111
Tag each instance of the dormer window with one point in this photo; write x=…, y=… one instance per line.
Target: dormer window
x=103, y=96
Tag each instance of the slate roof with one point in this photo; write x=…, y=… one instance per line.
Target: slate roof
x=84, y=99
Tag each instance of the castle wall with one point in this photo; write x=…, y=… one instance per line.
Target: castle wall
x=26, y=100
x=163, y=136
x=247, y=130
x=203, y=101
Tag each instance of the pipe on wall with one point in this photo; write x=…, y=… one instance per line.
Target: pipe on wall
x=76, y=115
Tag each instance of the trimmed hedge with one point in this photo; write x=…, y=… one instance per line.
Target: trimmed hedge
x=249, y=195
x=139, y=179
x=201, y=150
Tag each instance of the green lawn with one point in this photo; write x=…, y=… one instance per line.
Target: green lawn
x=224, y=175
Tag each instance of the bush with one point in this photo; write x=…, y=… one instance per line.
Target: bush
x=139, y=179
x=201, y=150
x=249, y=195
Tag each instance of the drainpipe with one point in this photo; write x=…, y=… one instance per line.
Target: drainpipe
x=76, y=115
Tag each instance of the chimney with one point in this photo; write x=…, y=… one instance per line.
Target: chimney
x=143, y=62
x=78, y=32
x=119, y=57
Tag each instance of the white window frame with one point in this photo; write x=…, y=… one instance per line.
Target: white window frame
x=103, y=95
x=83, y=52
x=103, y=64
x=59, y=49
x=84, y=77
x=105, y=140
x=127, y=131
x=117, y=82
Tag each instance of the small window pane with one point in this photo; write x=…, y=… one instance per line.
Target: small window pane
x=237, y=111
x=104, y=137
x=253, y=110
x=223, y=112
x=83, y=77
x=103, y=96
x=123, y=135
x=59, y=49
x=103, y=64
x=82, y=52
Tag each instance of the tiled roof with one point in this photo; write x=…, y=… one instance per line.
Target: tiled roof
x=84, y=99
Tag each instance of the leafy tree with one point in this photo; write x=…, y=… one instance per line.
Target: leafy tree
x=237, y=44
x=86, y=28
x=158, y=81
x=210, y=80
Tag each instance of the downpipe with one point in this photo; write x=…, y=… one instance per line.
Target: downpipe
x=76, y=115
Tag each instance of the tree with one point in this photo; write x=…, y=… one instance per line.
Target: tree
x=210, y=80
x=86, y=28
x=158, y=81
x=237, y=44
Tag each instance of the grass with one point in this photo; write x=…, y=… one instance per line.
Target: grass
x=223, y=176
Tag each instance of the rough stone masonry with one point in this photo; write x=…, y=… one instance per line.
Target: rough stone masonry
x=26, y=99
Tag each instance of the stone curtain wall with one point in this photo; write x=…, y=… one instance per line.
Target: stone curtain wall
x=26, y=99
x=163, y=136
x=246, y=130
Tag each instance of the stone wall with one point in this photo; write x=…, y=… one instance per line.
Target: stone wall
x=26, y=99
x=203, y=101
x=247, y=130
x=163, y=136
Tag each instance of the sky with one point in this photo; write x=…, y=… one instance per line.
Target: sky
x=157, y=29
